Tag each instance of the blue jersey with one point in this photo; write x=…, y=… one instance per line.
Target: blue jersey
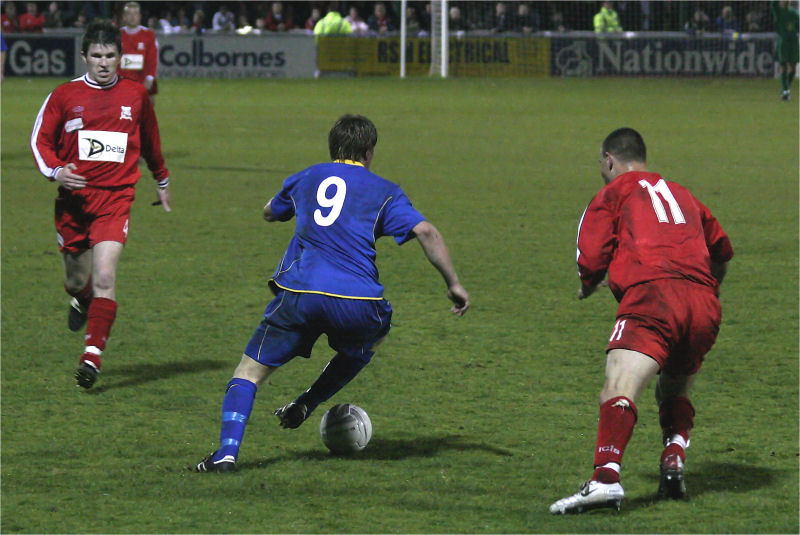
x=341, y=209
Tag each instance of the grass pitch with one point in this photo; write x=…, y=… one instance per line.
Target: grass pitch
x=479, y=422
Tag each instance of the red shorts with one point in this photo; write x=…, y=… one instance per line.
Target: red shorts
x=87, y=216
x=671, y=320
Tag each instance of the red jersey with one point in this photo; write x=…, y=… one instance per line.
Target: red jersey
x=139, y=54
x=31, y=23
x=641, y=228
x=101, y=129
x=9, y=25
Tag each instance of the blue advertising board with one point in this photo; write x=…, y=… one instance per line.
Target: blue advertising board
x=39, y=55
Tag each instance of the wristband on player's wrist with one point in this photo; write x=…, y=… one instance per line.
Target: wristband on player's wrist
x=163, y=184
x=55, y=173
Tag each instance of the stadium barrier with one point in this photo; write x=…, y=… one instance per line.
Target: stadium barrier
x=301, y=56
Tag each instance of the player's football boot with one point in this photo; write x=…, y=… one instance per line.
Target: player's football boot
x=593, y=495
x=671, y=485
x=77, y=315
x=86, y=374
x=292, y=415
x=786, y=95
x=226, y=464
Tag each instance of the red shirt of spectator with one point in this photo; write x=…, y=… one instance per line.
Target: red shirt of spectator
x=32, y=21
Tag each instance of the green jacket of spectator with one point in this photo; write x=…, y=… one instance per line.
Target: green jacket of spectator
x=332, y=24
x=607, y=21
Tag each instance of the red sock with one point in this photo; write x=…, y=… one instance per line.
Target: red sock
x=617, y=418
x=84, y=296
x=676, y=416
x=102, y=312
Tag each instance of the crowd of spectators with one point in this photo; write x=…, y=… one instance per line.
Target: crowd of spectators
x=377, y=18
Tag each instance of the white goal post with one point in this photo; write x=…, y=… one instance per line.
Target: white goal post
x=439, y=38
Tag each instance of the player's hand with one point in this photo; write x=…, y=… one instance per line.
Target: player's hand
x=585, y=291
x=164, y=199
x=458, y=295
x=67, y=177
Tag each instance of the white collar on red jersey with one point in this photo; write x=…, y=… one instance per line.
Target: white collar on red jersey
x=135, y=30
x=91, y=83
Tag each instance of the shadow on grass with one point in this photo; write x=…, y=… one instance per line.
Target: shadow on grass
x=138, y=374
x=713, y=477
x=388, y=450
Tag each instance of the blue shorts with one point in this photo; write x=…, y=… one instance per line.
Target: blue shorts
x=293, y=322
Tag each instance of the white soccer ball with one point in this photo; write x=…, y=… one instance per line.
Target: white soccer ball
x=345, y=428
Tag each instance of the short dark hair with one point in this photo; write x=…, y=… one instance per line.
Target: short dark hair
x=352, y=137
x=626, y=144
x=101, y=32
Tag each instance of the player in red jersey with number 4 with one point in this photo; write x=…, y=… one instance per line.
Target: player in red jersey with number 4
x=665, y=255
x=88, y=137
x=139, y=49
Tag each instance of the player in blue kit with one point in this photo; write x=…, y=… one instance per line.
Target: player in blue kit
x=327, y=281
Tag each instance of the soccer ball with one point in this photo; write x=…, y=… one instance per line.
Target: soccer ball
x=345, y=428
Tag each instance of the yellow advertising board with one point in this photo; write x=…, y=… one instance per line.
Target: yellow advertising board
x=469, y=56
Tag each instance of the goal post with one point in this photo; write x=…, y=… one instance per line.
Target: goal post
x=438, y=35
x=439, y=38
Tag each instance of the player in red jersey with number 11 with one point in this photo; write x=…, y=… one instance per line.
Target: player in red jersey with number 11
x=665, y=255
x=88, y=137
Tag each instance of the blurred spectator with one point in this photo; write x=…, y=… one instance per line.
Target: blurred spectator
x=412, y=21
x=455, y=22
x=260, y=26
x=181, y=22
x=82, y=19
x=502, y=20
x=631, y=15
x=152, y=23
x=223, y=20
x=726, y=22
x=526, y=21
x=198, y=22
x=756, y=19
x=165, y=23
x=699, y=23
x=645, y=7
x=607, y=20
x=276, y=20
x=557, y=21
x=244, y=27
x=332, y=24
x=54, y=18
x=356, y=22
x=312, y=21
x=9, y=18
x=379, y=21
x=32, y=21
x=425, y=19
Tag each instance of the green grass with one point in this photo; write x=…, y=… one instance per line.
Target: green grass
x=479, y=422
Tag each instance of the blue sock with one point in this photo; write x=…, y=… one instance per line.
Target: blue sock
x=236, y=407
x=339, y=371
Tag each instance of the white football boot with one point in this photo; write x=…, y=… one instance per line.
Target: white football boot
x=593, y=495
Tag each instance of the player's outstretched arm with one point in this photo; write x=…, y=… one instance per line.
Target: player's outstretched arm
x=436, y=251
